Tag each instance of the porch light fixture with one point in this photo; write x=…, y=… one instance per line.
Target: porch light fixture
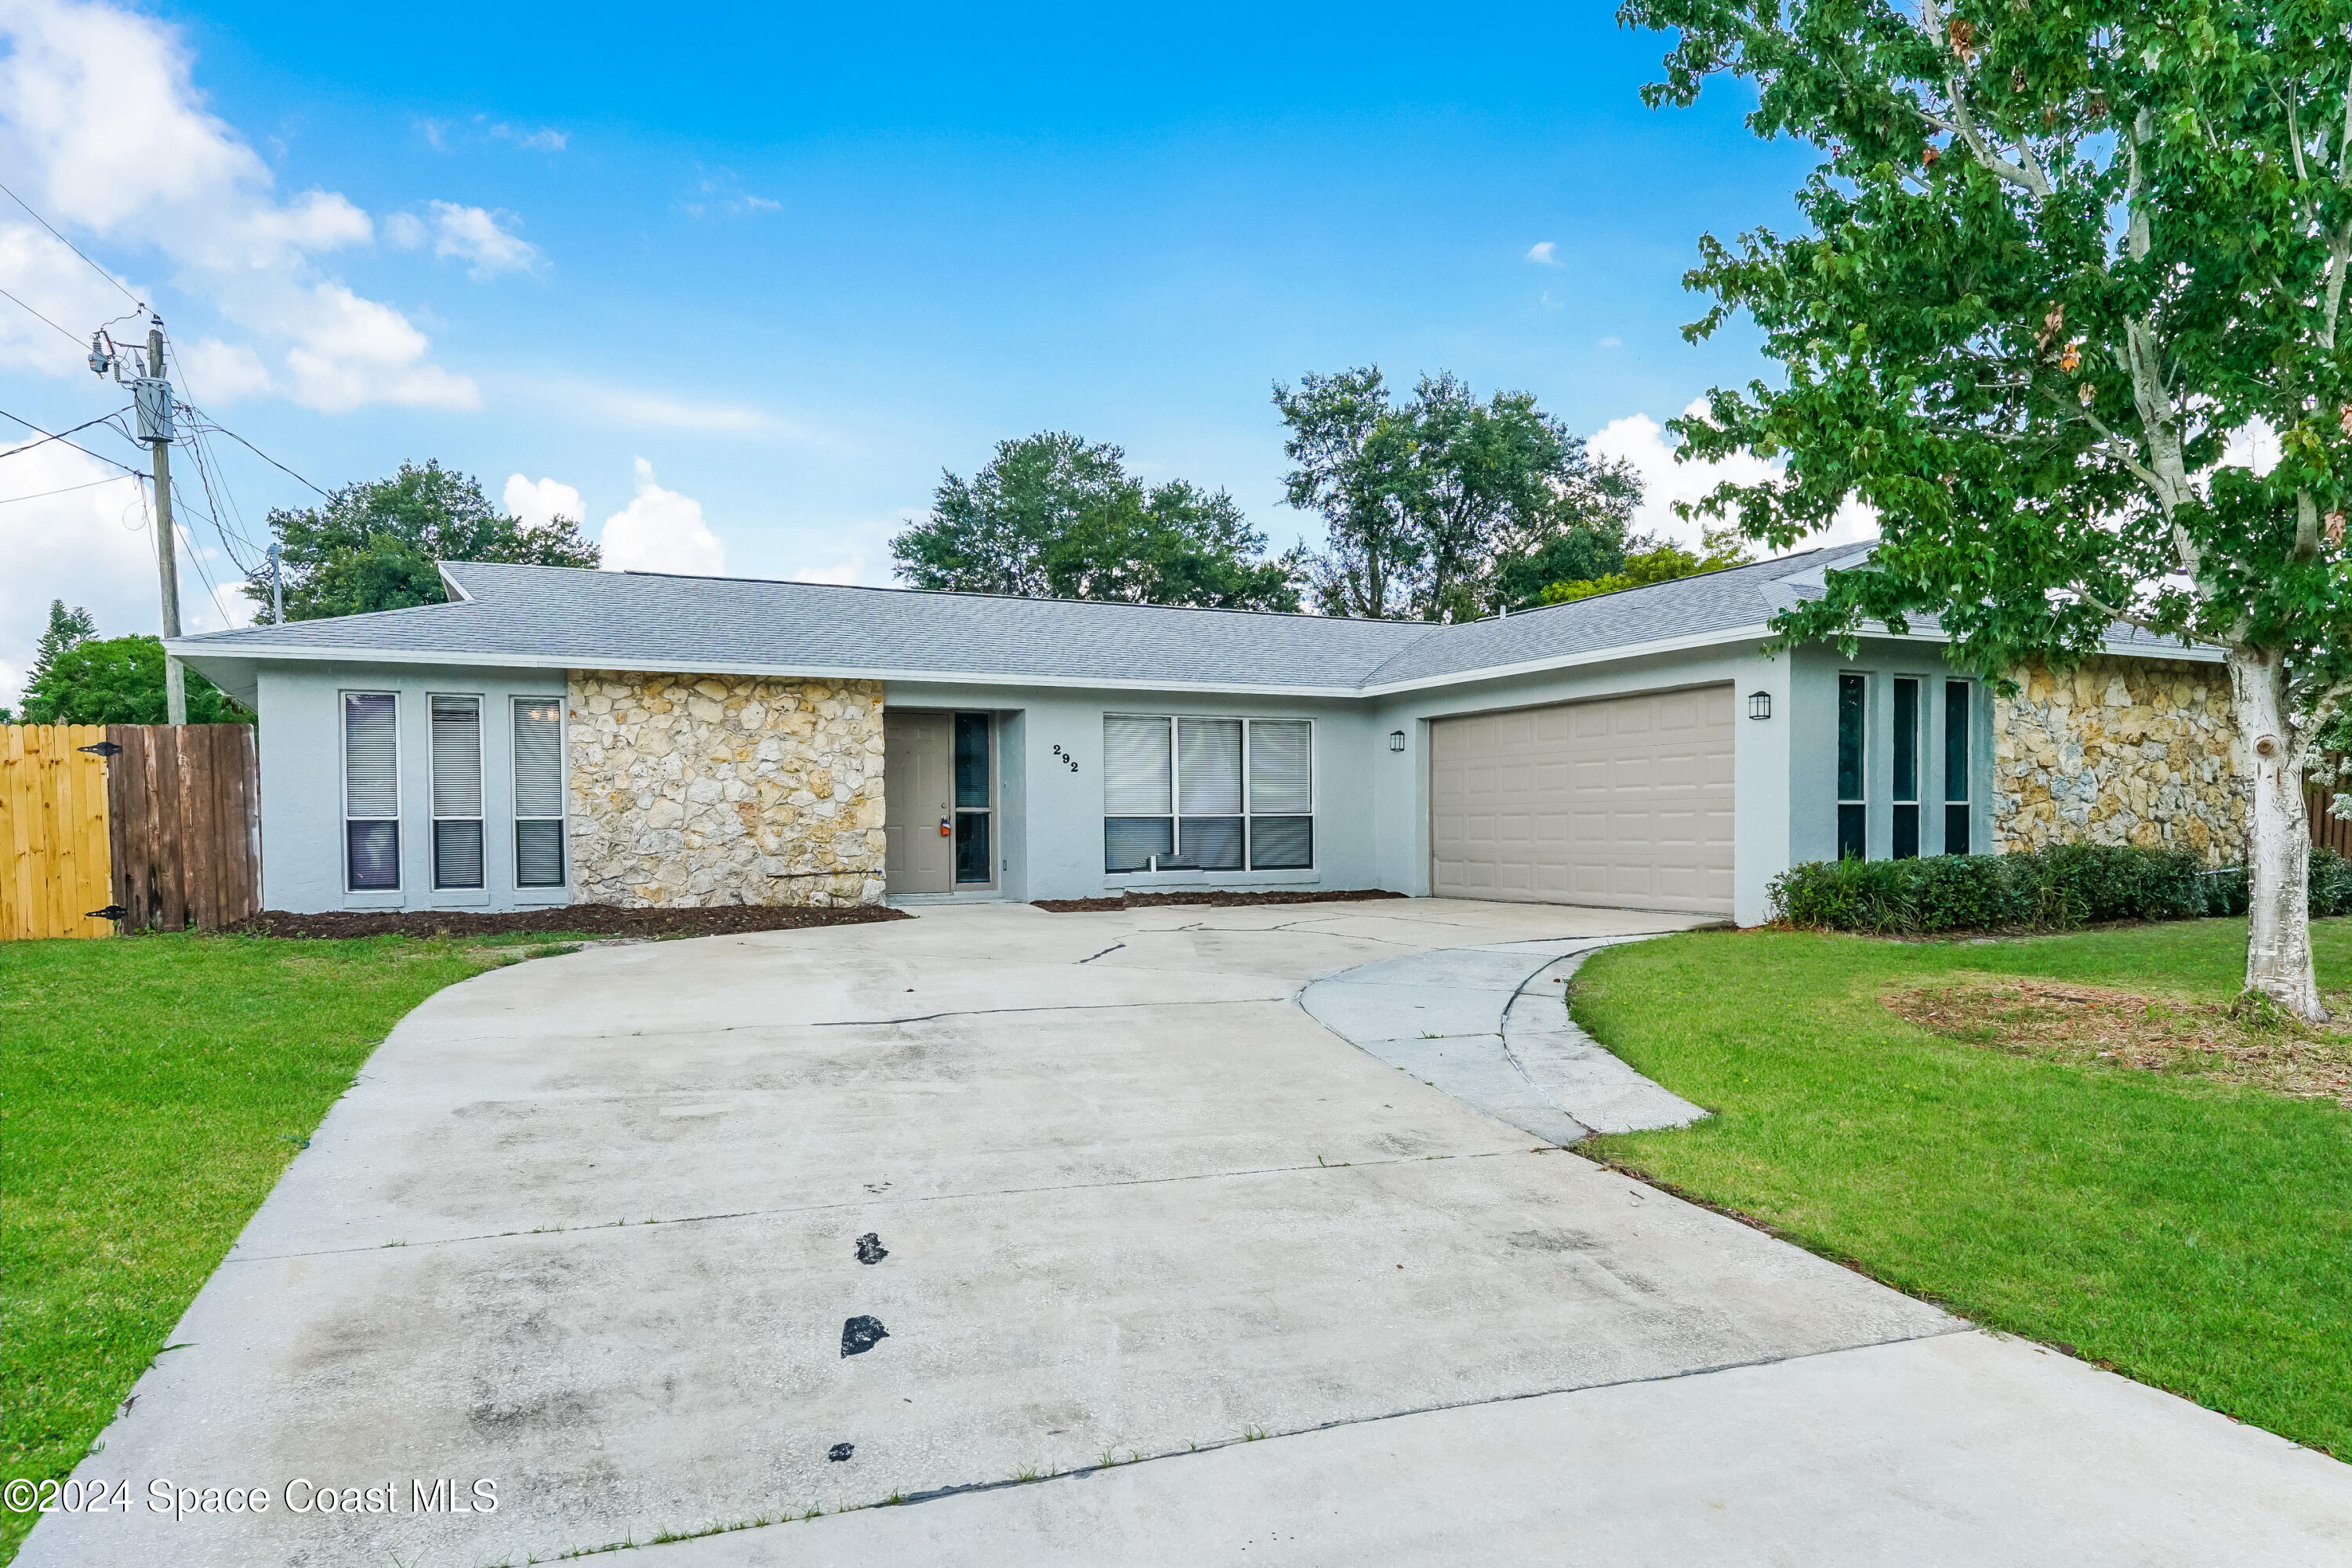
x=1759, y=705
x=1396, y=740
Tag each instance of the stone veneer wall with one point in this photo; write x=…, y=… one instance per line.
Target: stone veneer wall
x=2119, y=751
x=706, y=790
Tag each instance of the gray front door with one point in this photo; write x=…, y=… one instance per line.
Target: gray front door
x=918, y=801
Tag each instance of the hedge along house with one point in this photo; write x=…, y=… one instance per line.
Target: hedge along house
x=554, y=735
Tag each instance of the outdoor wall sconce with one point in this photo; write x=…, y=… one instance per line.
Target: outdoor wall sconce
x=1759, y=705
x=1396, y=740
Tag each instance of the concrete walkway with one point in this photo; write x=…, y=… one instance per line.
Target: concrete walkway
x=1489, y=1025
x=984, y=1201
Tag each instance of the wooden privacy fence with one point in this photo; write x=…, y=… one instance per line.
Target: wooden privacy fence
x=2328, y=831
x=157, y=826
x=183, y=807
x=53, y=829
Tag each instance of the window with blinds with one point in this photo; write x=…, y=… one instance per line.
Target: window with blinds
x=456, y=792
x=1207, y=794
x=370, y=791
x=539, y=792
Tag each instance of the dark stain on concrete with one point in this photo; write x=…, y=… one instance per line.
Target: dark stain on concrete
x=840, y=1451
x=871, y=1249
x=861, y=1334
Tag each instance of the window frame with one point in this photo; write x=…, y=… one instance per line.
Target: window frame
x=1247, y=816
x=985, y=812
x=1853, y=810
x=515, y=702
x=343, y=767
x=1959, y=766
x=433, y=792
x=1904, y=809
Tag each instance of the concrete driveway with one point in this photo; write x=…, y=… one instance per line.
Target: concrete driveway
x=1082, y=1236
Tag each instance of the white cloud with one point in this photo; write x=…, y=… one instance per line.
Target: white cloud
x=479, y=238
x=2254, y=447
x=660, y=530
x=100, y=122
x=721, y=191
x=541, y=503
x=1641, y=441
x=626, y=405
x=214, y=373
x=1611, y=344
x=546, y=139
x=858, y=554
x=1541, y=253
x=73, y=527
x=405, y=231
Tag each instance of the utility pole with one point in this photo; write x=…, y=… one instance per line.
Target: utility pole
x=152, y=394
x=277, y=584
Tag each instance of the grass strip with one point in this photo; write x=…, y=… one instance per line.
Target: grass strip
x=151, y=1091
x=2192, y=1234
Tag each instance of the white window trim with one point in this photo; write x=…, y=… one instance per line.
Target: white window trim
x=1249, y=812
x=343, y=813
x=481, y=790
x=562, y=820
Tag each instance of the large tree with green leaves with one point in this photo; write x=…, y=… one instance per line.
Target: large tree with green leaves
x=1442, y=506
x=1054, y=516
x=118, y=680
x=374, y=545
x=2056, y=257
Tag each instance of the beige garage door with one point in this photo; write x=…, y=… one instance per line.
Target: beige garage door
x=1624, y=802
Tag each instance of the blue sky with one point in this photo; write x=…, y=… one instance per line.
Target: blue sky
x=781, y=265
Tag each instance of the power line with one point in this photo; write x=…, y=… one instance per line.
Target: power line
x=37, y=316
x=77, y=250
x=66, y=489
x=222, y=429
x=46, y=436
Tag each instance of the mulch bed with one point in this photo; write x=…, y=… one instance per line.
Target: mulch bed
x=1214, y=901
x=2086, y=1025
x=592, y=919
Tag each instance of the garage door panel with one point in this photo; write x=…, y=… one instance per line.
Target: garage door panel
x=1624, y=801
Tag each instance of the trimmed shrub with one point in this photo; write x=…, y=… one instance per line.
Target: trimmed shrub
x=2056, y=889
x=2331, y=883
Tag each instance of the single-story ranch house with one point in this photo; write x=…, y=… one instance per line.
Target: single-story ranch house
x=554, y=735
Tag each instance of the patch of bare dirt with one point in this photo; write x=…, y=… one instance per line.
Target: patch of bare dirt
x=594, y=919
x=1214, y=901
x=2088, y=1026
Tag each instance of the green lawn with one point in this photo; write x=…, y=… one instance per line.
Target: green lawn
x=151, y=1090
x=2193, y=1234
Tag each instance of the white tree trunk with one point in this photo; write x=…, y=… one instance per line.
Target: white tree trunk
x=2278, y=839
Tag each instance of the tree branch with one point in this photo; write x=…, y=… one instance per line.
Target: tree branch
x=2322, y=710
x=2027, y=177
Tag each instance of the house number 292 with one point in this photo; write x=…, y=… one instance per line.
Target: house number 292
x=1067, y=758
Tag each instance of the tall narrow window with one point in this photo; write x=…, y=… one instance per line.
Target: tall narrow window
x=1956, y=767
x=456, y=792
x=1853, y=814
x=1138, y=824
x=370, y=791
x=1208, y=790
x=539, y=792
x=1281, y=795
x=973, y=782
x=1906, y=769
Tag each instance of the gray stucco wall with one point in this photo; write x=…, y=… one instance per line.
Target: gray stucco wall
x=1372, y=804
x=1812, y=772
x=301, y=738
x=1050, y=842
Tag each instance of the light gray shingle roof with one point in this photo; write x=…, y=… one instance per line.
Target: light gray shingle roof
x=562, y=618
